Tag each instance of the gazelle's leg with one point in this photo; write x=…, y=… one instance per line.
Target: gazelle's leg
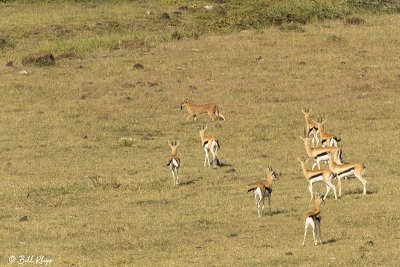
x=363, y=181
x=313, y=231
x=269, y=203
x=177, y=178
x=310, y=189
x=173, y=176
x=221, y=116
x=340, y=185
x=318, y=229
x=305, y=230
x=333, y=188
x=313, y=166
x=206, y=158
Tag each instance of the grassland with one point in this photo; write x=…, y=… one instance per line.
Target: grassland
x=90, y=201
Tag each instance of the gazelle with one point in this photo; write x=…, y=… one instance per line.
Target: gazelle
x=311, y=128
x=345, y=170
x=319, y=153
x=314, y=176
x=313, y=219
x=173, y=161
x=262, y=189
x=211, y=109
x=326, y=138
x=209, y=144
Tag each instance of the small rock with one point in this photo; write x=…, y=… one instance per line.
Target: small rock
x=23, y=72
x=165, y=16
x=183, y=8
x=192, y=88
x=138, y=66
x=151, y=84
x=23, y=219
x=369, y=243
x=301, y=63
x=10, y=63
x=177, y=13
x=289, y=253
x=149, y=12
x=259, y=58
x=209, y=7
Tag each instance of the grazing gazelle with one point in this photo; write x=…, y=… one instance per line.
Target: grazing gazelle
x=327, y=139
x=345, y=170
x=311, y=128
x=211, y=109
x=173, y=161
x=263, y=188
x=314, y=176
x=313, y=219
x=319, y=153
x=209, y=144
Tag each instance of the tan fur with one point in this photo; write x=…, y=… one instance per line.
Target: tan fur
x=265, y=185
x=174, y=169
x=313, y=152
x=316, y=209
x=310, y=126
x=326, y=174
x=336, y=168
x=207, y=138
x=211, y=109
x=324, y=136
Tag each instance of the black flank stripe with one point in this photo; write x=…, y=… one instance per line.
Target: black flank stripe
x=348, y=170
x=315, y=176
x=205, y=142
x=322, y=154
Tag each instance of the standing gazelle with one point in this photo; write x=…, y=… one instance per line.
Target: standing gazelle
x=211, y=109
x=327, y=139
x=314, y=176
x=345, y=170
x=311, y=128
x=313, y=219
x=262, y=188
x=173, y=161
x=209, y=144
x=318, y=153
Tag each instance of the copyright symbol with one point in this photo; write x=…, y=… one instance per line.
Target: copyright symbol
x=12, y=259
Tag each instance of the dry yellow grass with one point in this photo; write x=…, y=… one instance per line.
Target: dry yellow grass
x=91, y=201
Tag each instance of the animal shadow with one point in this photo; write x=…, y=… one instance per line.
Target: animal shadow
x=330, y=241
x=277, y=212
x=186, y=183
x=359, y=191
